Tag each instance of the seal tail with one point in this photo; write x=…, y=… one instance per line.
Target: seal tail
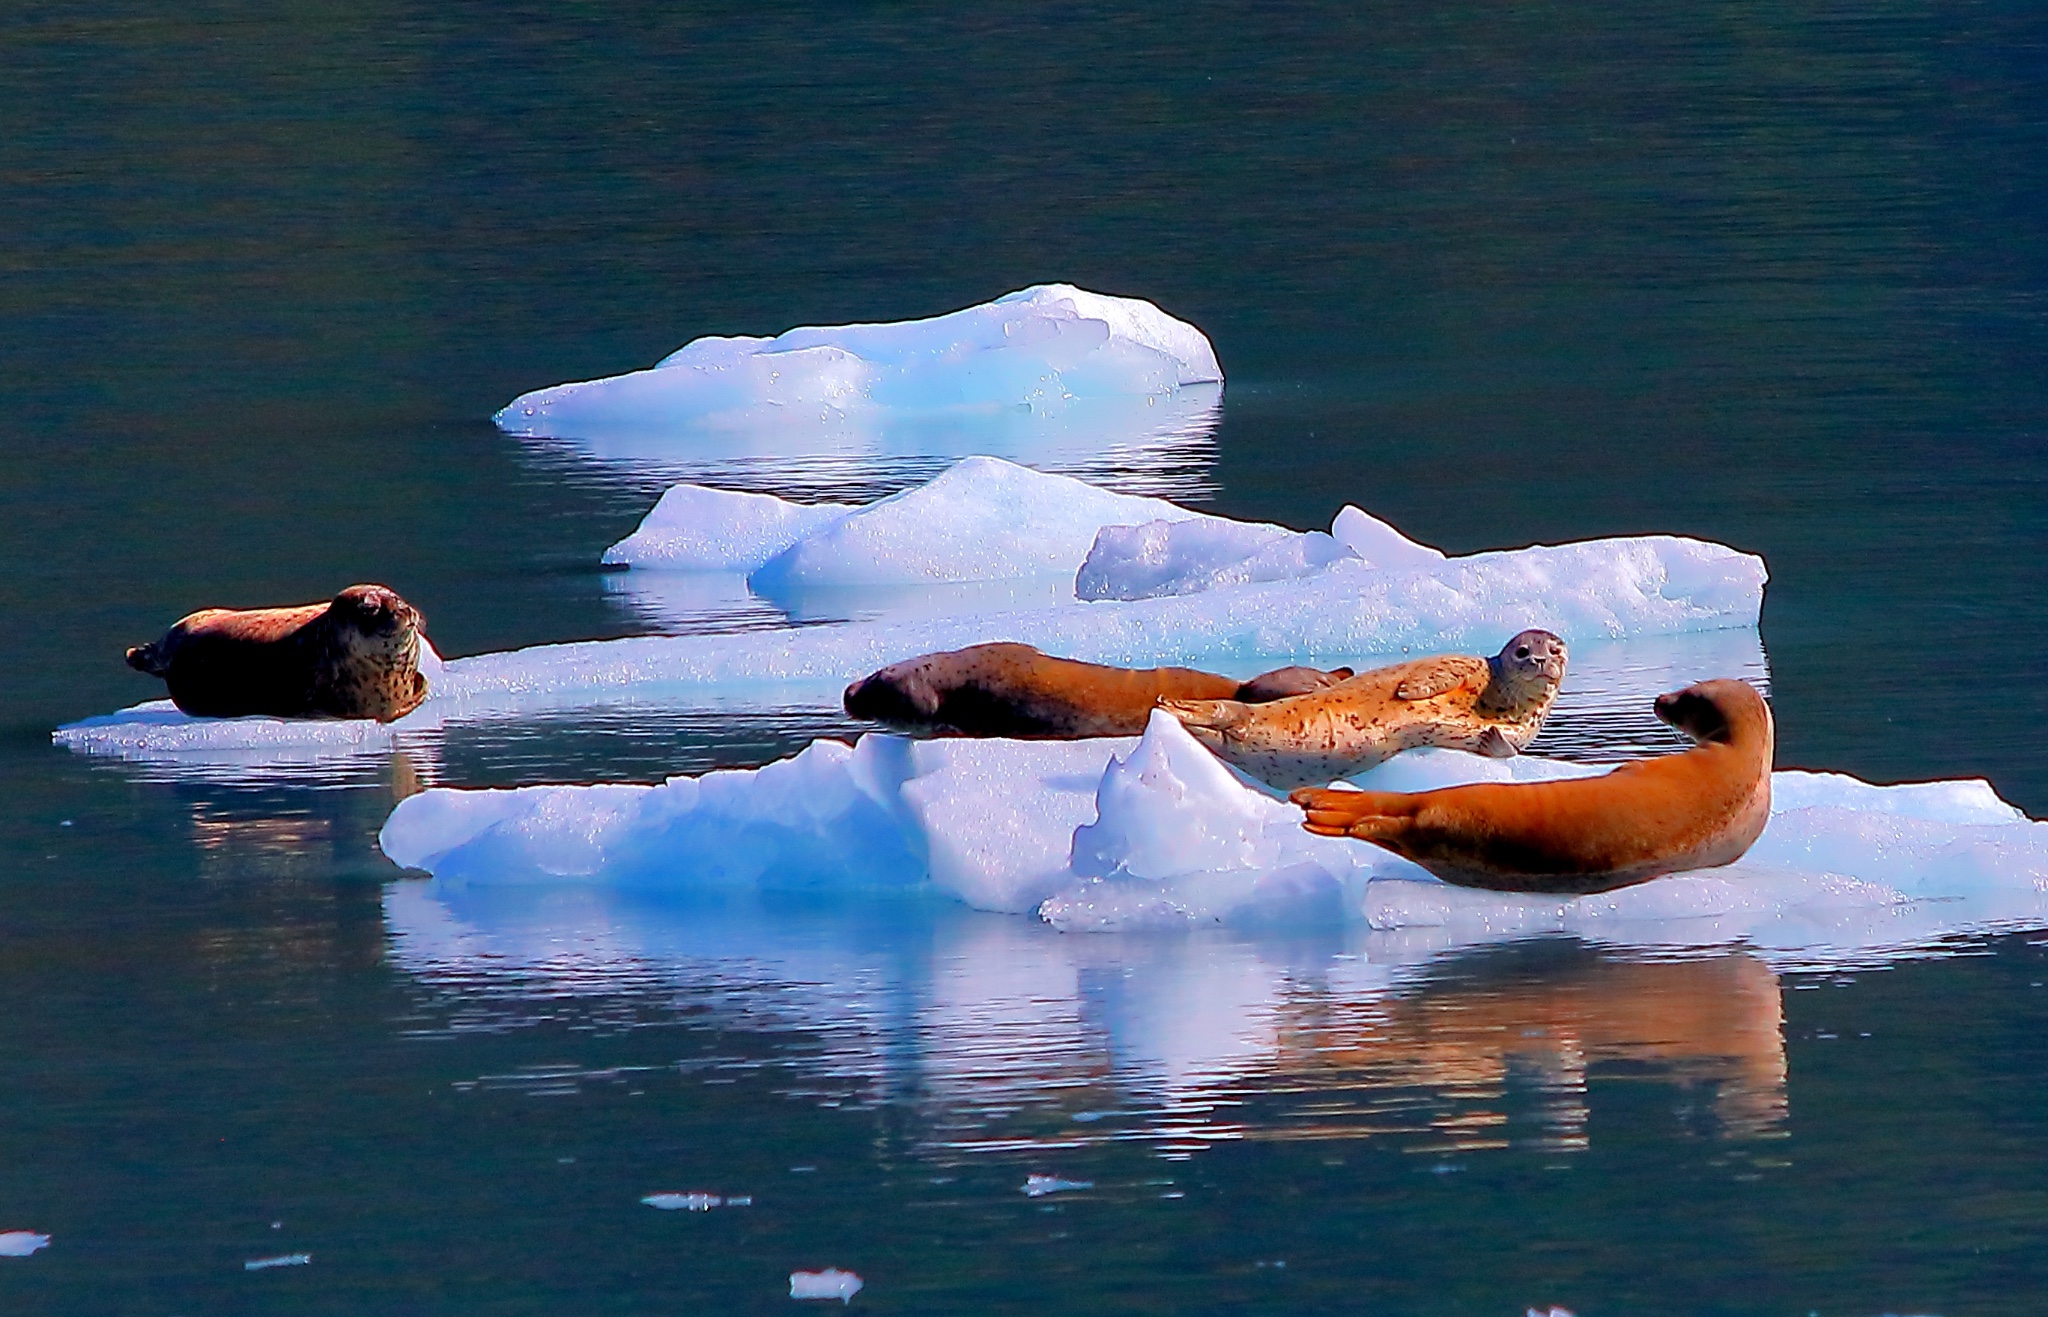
x=1366, y=815
x=1209, y=720
x=149, y=659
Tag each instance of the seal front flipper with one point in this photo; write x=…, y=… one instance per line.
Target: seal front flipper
x=1438, y=677
x=1495, y=746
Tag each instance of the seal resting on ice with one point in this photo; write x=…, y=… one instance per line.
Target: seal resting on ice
x=1015, y=690
x=1694, y=810
x=1489, y=706
x=356, y=656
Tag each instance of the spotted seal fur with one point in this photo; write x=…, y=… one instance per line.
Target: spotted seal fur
x=1489, y=706
x=355, y=656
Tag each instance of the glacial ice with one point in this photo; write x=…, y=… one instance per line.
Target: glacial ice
x=1156, y=833
x=831, y=1283
x=1038, y=351
x=1189, y=556
x=982, y=519
x=695, y=528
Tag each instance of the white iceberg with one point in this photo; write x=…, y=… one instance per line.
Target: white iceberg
x=1157, y=833
x=831, y=1283
x=982, y=519
x=1038, y=351
x=696, y=528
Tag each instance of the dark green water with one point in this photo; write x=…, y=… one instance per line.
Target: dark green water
x=1767, y=274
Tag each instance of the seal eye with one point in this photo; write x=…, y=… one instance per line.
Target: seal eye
x=1521, y=651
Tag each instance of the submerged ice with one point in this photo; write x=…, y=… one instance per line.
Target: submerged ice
x=1041, y=351
x=1157, y=834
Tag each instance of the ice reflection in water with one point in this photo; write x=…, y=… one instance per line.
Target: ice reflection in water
x=1164, y=446
x=999, y=1034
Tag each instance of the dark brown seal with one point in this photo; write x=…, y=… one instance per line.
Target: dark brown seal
x=1014, y=690
x=1694, y=810
x=356, y=656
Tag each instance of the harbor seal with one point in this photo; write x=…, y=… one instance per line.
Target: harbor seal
x=356, y=656
x=1695, y=810
x=1489, y=706
x=1015, y=690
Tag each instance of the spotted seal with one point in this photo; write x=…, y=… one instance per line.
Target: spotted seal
x=356, y=656
x=1015, y=690
x=1695, y=810
x=1490, y=706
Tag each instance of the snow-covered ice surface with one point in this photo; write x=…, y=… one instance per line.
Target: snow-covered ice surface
x=1157, y=834
x=1042, y=351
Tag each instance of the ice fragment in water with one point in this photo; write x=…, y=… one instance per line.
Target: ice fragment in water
x=281, y=1260
x=21, y=1243
x=831, y=1283
x=1040, y=1185
x=692, y=1202
x=1042, y=349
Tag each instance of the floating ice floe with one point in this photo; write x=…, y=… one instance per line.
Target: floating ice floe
x=281, y=1260
x=1187, y=556
x=1156, y=834
x=1040, y=350
x=691, y=1202
x=1382, y=597
x=831, y=1283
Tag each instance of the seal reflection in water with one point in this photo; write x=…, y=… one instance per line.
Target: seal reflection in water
x=356, y=656
x=1014, y=690
x=1556, y=1011
x=1694, y=810
x=1488, y=706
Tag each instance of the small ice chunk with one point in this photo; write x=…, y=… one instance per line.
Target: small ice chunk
x=1550, y=1312
x=21, y=1243
x=281, y=1260
x=831, y=1283
x=691, y=1202
x=1379, y=544
x=1040, y=1185
x=701, y=529
x=1039, y=349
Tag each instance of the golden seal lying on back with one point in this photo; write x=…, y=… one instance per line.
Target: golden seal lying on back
x=355, y=656
x=1489, y=706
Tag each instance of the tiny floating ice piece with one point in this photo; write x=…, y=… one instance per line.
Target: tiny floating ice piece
x=831, y=1283
x=21, y=1243
x=281, y=1260
x=692, y=1202
x=1040, y=1185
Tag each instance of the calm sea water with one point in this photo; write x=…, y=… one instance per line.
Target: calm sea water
x=1768, y=274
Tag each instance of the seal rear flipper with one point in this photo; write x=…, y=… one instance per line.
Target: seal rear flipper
x=1282, y=683
x=149, y=659
x=1208, y=720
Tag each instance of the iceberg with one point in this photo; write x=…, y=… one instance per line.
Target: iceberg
x=983, y=519
x=1155, y=833
x=1188, y=556
x=1041, y=351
